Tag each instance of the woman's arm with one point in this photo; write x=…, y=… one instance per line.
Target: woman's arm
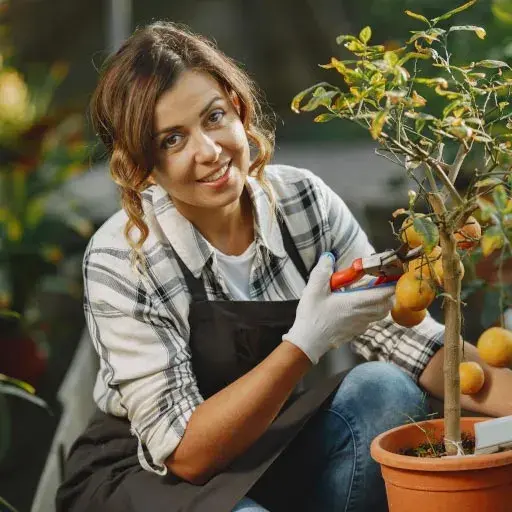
x=493, y=399
x=225, y=425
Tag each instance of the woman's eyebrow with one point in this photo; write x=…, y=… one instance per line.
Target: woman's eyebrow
x=203, y=111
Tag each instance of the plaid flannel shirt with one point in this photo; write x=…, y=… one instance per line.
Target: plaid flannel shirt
x=139, y=321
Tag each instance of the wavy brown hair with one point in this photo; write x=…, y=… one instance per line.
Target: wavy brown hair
x=123, y=105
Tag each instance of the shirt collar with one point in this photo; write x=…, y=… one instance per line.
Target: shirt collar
x=267, y=231
x=193, y=249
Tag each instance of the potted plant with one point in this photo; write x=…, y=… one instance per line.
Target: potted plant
x=466, y=120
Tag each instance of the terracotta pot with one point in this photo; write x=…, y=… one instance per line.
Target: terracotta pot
x=456, y=484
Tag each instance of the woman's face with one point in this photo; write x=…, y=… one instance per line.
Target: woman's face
x=202, y=150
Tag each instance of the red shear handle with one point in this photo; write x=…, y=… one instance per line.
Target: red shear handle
x=386, y=279
x=347, y=275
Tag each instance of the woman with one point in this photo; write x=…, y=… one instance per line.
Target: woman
x=192, y=300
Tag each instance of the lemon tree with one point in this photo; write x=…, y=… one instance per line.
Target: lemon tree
x=385, y=92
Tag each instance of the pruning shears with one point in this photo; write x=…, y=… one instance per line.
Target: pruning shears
x=387, y=266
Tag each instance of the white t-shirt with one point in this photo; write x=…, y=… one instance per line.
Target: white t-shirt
x=236, y=271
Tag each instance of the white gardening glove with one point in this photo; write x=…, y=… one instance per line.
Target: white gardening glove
x=325, y=319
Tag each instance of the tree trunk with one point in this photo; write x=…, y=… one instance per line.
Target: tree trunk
x=452, y=317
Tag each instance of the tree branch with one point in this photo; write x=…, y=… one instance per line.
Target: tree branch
x=457, y=163
x=440, y=167
x=446, y=181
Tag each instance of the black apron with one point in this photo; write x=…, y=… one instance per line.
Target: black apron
x=227, y=339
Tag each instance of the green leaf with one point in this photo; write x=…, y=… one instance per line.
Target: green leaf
x=354, y=46
x=488, y=182
x=499, y=196
x=345, y=37
x=432, y=82
x=320, y=97
x=480, y=31
x=489, y=63
x=296, y=101
x=365, y=34
x=450, y=95
x=451, y=13
x=427, y=231
x=391, y=58
x=419, y=125
x=430, y=35
x=413, y=55
x=462, y=132
x=324, y=118
x=7, y=313
x=35, y=211
x=417, y=16
x=451, y=106
x=487, y=209
x=411, y=114
x=295, y=105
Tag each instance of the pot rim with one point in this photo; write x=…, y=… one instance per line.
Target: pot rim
x=466, y=463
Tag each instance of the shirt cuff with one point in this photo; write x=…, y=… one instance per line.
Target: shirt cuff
x=423, y=341
x=156, y=449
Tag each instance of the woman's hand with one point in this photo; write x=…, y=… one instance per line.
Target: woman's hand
x=325, y=319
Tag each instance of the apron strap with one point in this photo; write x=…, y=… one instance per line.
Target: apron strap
x=196, y=286
x=291, y=248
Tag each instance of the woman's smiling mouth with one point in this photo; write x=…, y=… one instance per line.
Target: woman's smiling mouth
x=218, y=176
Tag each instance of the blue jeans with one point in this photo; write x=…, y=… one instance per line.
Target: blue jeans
x=330, y=458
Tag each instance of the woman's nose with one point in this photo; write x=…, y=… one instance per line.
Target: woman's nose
x=207, y=149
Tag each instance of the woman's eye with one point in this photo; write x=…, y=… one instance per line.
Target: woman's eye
x=216, y=116
x=171, y=141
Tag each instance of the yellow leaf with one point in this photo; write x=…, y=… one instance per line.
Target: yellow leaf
x=296, y=101
x=491, y=242
x=14, y=230
x=417, y=16
x=378, y=124
x=481, y=33
x=418, y=100
x=449, y=14
x=18, y=383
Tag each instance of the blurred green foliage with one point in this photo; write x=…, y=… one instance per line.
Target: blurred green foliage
x=41, y=150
